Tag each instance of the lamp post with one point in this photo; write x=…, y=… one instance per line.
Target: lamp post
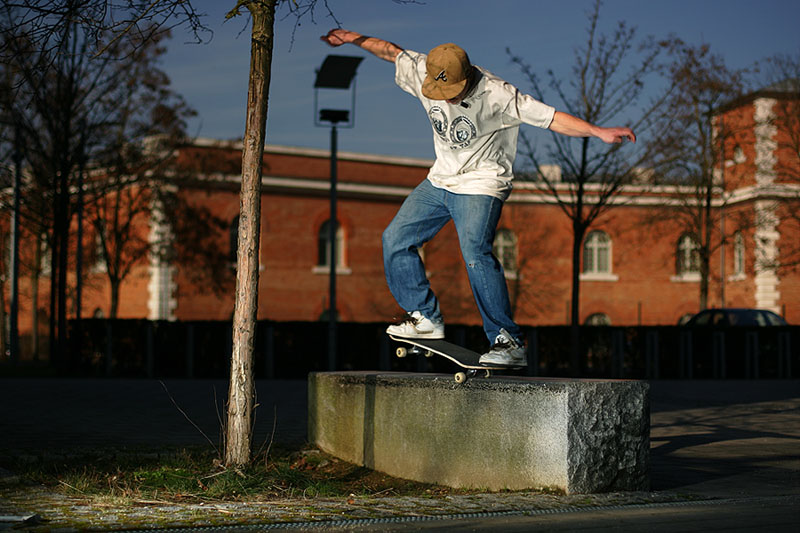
x=336, y=72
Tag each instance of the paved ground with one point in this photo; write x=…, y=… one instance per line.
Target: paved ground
x=734, y=444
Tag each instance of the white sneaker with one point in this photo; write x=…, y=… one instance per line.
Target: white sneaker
x=416, y=326
x=505, y=351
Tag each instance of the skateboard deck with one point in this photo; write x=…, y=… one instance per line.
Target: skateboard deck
x=466, y=359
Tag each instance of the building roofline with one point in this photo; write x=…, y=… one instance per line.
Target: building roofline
x=205, y=142
x=785, y=90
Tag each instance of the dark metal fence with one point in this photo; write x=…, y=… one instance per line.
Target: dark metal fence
x=290, y=350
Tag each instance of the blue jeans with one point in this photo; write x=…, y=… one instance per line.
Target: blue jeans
x=426, y=210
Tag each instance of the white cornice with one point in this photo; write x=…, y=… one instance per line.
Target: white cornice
x=773, y=191
x=302, y=184
x=668, y=196
x=318, y=153
x=342, y=187
x=641, y=195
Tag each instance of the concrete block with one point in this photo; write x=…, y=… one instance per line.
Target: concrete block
x=580, y=436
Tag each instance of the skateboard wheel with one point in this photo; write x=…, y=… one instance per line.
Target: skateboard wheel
x=487, y=373
x=429, y=354
x=460, y=377
x=401, y=352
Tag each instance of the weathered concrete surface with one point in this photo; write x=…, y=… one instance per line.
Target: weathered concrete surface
x=580, y=436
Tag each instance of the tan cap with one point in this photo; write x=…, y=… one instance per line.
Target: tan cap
x=448, y=72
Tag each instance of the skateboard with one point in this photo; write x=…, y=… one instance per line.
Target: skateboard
x=466, y=359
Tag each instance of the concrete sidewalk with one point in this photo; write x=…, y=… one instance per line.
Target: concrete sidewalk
x=737, y=442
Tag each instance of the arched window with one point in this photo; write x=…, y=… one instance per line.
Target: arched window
x=100, y=243
x=688, y=256
x=505, y=249
x=738, y=155
x=598, y=319
x=324, y=249
x=597, y=253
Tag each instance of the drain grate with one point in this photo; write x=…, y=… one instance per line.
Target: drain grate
x=457, y=516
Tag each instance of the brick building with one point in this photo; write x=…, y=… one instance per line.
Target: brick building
x=638, y=267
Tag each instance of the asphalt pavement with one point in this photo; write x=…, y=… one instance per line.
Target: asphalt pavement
x=730, y=448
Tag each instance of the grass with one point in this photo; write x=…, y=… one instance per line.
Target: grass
x=196, y=475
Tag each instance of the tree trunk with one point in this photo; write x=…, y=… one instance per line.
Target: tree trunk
x=37, y=262
x=705, y=273
x=114, y=308
x=241, y=388
x=575, y=310
x=706, y=239
x=63, y=225
x=579, y=227
x=3, y=337
x=53, y=348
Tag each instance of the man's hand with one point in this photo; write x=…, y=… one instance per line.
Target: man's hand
x=616, y=135
x=339, y=36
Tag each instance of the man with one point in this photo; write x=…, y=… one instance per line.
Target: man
x=475, y=118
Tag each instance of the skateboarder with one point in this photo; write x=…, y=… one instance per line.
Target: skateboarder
x=475, y=118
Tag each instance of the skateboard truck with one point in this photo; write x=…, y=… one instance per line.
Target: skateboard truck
x=461, y=377
x=402, y=351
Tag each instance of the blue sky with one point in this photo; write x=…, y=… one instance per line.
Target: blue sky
x=212, y=77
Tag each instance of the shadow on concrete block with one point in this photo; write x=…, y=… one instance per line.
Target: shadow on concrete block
x=579, y=436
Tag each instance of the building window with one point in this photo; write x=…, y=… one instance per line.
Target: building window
x=688, y=256
x=597, y=257
x=597, y=253
x=45, y=257
x=100, y=243
x=324, y=250
x=598, y=319
x=738, y=155
x=505, y=249
x=738, y=255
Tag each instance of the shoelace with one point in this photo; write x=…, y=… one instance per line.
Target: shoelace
x=504, y=343
x=406, y=320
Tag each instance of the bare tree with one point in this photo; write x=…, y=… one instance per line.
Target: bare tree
x=57, y=98
x=79, y=109
x=609, y=76
x=690, y=140
x=241, y=389
x=45, y=21
x=136, y=183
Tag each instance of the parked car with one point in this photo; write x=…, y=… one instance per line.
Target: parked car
x=735, y=317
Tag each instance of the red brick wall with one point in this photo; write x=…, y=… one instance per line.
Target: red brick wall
x=644, y=240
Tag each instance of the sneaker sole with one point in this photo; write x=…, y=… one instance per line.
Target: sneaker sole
x=504, y=363
x=428, y=336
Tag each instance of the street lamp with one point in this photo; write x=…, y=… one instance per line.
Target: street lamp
x=338, y=73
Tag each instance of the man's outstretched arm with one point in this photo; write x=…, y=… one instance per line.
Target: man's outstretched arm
x=377, y=47
x=567, y=124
